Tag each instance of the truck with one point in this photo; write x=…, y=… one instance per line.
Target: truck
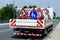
x=32, y=22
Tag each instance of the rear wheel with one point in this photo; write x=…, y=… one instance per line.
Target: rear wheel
x=45, y=32
x=52, y=27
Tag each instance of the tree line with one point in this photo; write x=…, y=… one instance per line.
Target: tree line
x=7, y=12
x=30, y=6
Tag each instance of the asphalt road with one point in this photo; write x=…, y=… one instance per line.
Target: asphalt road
x=7, y=34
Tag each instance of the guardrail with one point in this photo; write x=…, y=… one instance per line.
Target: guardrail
x=4, y=21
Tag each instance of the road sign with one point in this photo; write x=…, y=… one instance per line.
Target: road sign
x=23, y=13
x=33, y=14
x=40, y=13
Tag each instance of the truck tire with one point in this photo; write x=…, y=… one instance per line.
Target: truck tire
x=45, y=32
x=51, y=27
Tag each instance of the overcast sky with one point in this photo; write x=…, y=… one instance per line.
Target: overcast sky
x=55, y=4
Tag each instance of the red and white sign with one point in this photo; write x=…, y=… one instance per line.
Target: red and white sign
x=40, y=13
x=12, y=22
x=40, y=23
x=23, y=13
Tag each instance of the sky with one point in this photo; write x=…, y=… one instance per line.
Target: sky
x=55, y=4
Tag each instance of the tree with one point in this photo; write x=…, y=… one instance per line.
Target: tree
x=25, y=7
x=34, y=6
x=30, y=6
x=7, y=12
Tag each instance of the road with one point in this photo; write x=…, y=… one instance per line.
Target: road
x=55, y=34
x=7, y=34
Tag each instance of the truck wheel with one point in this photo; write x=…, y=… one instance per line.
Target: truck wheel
x=45, y=32
x=51, y=28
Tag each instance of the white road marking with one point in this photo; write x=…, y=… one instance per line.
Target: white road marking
x=5, y=30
